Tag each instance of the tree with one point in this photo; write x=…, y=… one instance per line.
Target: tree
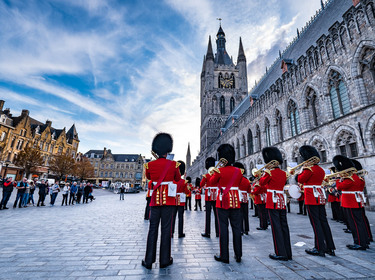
x=29, y=159
x=62, y=165
x=84, y=169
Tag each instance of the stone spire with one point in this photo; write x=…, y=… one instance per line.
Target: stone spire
x=188, y=157
x=210, y=53
x=241, y=53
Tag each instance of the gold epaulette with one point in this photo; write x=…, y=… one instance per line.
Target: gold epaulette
x=268, y=171
x=307, y=167
x=242, y=170
x=216, y=170
x=145, y=165
x=177, y=164
x=204, y=176
x=186, y=181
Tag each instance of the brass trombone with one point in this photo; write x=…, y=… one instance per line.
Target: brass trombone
x=259, y=172
x=347, y=173
x=221, y=163
x=311, y=161
x=362, y=173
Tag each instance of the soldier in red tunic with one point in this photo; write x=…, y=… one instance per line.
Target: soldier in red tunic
x=198, y=194
x=163, y=200
x=148, y=199
x=259, y=194
x=182, y=190
x=312, y=176
x=274, y=180
x=210, y=193
x=228, y=205
x=188, y=194
x=352, y=200
x=245, y=189
x=359, y=168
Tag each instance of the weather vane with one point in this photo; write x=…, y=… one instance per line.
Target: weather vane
x=219, y=19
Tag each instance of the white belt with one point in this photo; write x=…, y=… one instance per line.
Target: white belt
x=271, y=191
x=347, y=192
x=313, y=186
x=180, y=193
x=243, y=191
x=163, y=183
x=234, y=188
x=213, y=188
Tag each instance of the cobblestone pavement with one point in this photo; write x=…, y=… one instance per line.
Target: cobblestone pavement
x=105, y=239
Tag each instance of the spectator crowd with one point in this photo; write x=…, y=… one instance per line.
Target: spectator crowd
x=71, y=192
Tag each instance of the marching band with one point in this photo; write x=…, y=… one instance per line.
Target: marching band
x=227, y=192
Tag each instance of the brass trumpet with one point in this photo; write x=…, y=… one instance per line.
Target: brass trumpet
x=347, y=173
x=362, y=173
x=259, y=172
x=310, y=161
x=221, y=163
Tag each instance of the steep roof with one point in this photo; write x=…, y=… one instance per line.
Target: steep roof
x=125, y=157
x=332, y=12
x=72, y=133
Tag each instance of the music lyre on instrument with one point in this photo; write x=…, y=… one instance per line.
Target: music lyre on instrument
x=310, y=162
x=221, y=163
x=259, y=172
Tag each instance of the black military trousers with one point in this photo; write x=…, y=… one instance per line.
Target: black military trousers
x=188, y=203
x=163, y=214
x=211, y=205
x=262, y=214
x=245, y=217
x=280, y=232
x=335, y=206
x=234, y=216
x=322, y=231
x=367, y=224
x=356, y=224
x=147, y=209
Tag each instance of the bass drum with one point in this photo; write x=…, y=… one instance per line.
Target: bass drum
x=294, y=191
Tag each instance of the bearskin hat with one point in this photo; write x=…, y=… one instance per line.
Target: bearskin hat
x=272, y=153
x=162, y=144
x=188, y=179
x=308, y=152
x=357, y=164
x=240, y=166
x=181, y=167
x=342, y=162
x=197, y=182
x=210, y=162
x=227, y=151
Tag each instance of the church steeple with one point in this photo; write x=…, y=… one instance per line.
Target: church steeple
x=220, y=39
x=188, y=157
x=222, y=57
x=210, y=53
x=241, y=53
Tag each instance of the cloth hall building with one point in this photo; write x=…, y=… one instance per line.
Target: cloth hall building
x=320, y=91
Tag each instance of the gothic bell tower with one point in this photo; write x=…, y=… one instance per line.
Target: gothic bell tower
x=223, y=87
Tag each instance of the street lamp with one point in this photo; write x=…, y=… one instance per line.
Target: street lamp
x=7, y=162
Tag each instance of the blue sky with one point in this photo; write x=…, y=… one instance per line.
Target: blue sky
x=124, y=70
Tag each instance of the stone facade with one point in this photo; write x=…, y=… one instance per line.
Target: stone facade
x=320, y=91
x=16, y=133
x=124, y=168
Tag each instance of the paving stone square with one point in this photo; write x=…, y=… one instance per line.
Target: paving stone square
x=106, y=239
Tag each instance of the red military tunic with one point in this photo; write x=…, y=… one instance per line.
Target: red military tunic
x=245, y=189
x=312, y=178
x=352, y=192
x=227, y=177
x=198, y=192
x=274, y=181
x=204, y=185
x=190, y=187
x=259, y=194
x=154, y=170
x=182, y=191
x=149, y=189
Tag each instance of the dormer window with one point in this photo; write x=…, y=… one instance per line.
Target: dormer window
x=37, y=130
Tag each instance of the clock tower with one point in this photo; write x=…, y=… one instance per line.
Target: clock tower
x=223, y=87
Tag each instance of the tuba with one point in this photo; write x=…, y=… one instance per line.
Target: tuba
x=259, y=172
x=221, y=163
x=311, y=161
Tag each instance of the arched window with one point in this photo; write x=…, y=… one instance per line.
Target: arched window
x=233, y=81
x=296, y=155
x=238, y=150
x=259, y=140
x=279, y=125
x=338, y=94
x=267, y=129
x=231, y=104
x=373, y=137
x=250, y=148
x=311, y=101
x=222, y=105
x=293, y=118
x=347, y=144
x=321, y=149
x=367, y=64
x=214, y=102
x=243, y=144
x=219, y=80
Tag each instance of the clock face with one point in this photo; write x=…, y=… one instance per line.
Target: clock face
x=226, y=82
